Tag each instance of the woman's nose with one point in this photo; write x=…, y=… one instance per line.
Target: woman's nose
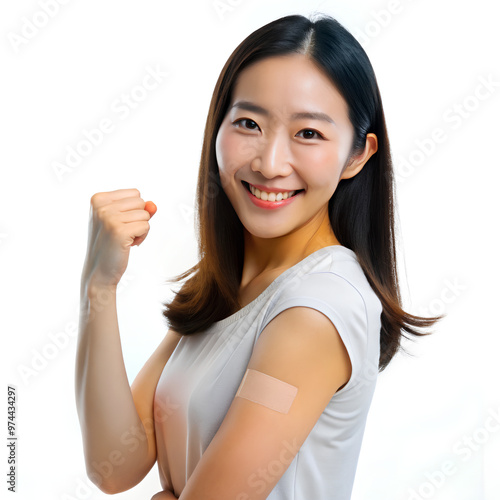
x=272, y=156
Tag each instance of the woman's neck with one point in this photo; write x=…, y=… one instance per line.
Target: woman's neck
x=267, y=255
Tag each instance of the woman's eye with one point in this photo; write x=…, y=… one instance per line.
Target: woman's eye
x=310, y=134
x=250, y=122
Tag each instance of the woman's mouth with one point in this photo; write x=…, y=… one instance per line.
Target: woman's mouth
x=270, y=196
x=270, y=200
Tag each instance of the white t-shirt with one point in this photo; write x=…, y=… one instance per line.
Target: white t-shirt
x=201, y=378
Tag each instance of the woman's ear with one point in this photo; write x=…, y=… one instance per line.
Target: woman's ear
x=358, y=162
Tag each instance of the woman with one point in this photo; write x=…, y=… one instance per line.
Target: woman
x=276, y=339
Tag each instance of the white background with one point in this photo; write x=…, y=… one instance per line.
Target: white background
x=430, y=410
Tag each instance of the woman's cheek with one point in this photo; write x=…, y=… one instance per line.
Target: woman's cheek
x=227, y=146
x=320, y=163
x=246, y=147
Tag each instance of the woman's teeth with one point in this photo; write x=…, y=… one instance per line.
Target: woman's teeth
x=263, y=195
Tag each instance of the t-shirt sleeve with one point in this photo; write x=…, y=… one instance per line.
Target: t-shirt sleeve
x=339, y=300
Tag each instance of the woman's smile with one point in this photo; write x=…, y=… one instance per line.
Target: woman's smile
x=271, y=198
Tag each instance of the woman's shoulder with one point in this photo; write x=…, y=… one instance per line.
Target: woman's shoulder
x=333, y=274
x=333, y=289
x=336, y=286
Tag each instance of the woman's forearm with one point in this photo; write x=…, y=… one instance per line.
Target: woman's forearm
x=104, y=401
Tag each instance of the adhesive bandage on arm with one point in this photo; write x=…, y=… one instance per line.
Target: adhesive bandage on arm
x=267, y=391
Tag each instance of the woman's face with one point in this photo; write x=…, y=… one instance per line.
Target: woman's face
x=282, y=145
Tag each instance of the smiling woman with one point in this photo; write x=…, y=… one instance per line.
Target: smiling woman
x=297, y=277
x=262, y=385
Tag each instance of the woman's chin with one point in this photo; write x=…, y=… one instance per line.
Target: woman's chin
x=265, y=232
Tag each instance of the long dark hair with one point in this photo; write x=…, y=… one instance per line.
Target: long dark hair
x=361, y=210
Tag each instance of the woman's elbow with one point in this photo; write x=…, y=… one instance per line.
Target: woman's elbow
x=118, y=471
x=108, y=481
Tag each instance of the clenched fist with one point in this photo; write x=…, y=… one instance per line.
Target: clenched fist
x=118, y=220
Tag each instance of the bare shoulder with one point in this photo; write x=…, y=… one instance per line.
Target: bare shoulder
x=299, y=343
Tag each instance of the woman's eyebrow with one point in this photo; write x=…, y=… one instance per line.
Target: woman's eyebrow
x=313, y=115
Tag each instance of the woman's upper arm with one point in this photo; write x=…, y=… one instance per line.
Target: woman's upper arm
x=301, y=348
x=144, y=386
